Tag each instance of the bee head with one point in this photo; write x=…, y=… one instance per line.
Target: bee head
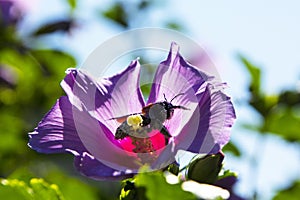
x=169, y=107
x=163, y=110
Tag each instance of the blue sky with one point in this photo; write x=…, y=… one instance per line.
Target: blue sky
x=268, y=33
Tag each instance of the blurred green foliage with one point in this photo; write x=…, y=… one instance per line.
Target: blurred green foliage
x=29, y=86
x=290, y=193
x=232, y=148
x=117, y=14
x=36, y=189
x=153, y=186
x=280, y=116
x=127, y=14
x=280, y=112
x=73, y=4
x=61, y=25
x=70, y=187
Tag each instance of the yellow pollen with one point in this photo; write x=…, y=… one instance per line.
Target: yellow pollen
x=134, y=120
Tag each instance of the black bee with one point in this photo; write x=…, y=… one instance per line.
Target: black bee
x=152, y=117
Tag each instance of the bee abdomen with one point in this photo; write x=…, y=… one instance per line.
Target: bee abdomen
x=121, y=131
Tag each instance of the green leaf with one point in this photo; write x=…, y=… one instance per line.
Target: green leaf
x=158, y=189
x=11, y=139
x=14, y=189
x=259, y=101
x=255, y=73
x=72, y=4
x=227, y=173
x=147, y=75
x=153, y=186
x=284, y=121
x=174, y=26
x=37, y=189
x=117, y=14
x=146, y=88
x=290, y=98
x=230, y=147
x=144, y=4
x=43, y=190
x=54, y=62
x=72, y=188
x=131, y=192
x=205, y=169
x=26, y=73
x=291, y=193
x=174, y=169
x=61, y=25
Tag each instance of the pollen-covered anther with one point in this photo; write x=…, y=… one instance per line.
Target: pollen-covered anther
x=134, y=121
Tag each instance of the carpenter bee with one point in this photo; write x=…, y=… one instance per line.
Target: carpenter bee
x=151, y=118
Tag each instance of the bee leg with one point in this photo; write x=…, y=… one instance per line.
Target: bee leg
x=166, y=133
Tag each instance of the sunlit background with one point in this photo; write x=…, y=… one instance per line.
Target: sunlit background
x=252, y=43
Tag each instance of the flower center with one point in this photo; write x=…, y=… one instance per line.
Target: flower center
x=141, y=138
x=154, y=142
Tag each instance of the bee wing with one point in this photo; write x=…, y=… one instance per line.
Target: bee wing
x=121, y=119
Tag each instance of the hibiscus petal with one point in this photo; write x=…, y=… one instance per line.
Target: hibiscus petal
x=214, y=117
x=106, y=98
x=175, y=76
x=205, y=127
x=166, y=156
x=100, y=142
x=91, y=167
x=56, y=132
x=59, y=130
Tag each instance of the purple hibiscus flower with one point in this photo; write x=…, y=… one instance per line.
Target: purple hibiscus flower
x=11, y=11
x=196, y=116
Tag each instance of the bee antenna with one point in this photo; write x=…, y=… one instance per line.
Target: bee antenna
x=176, y=96
x=165, y=97
x=181, y=107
